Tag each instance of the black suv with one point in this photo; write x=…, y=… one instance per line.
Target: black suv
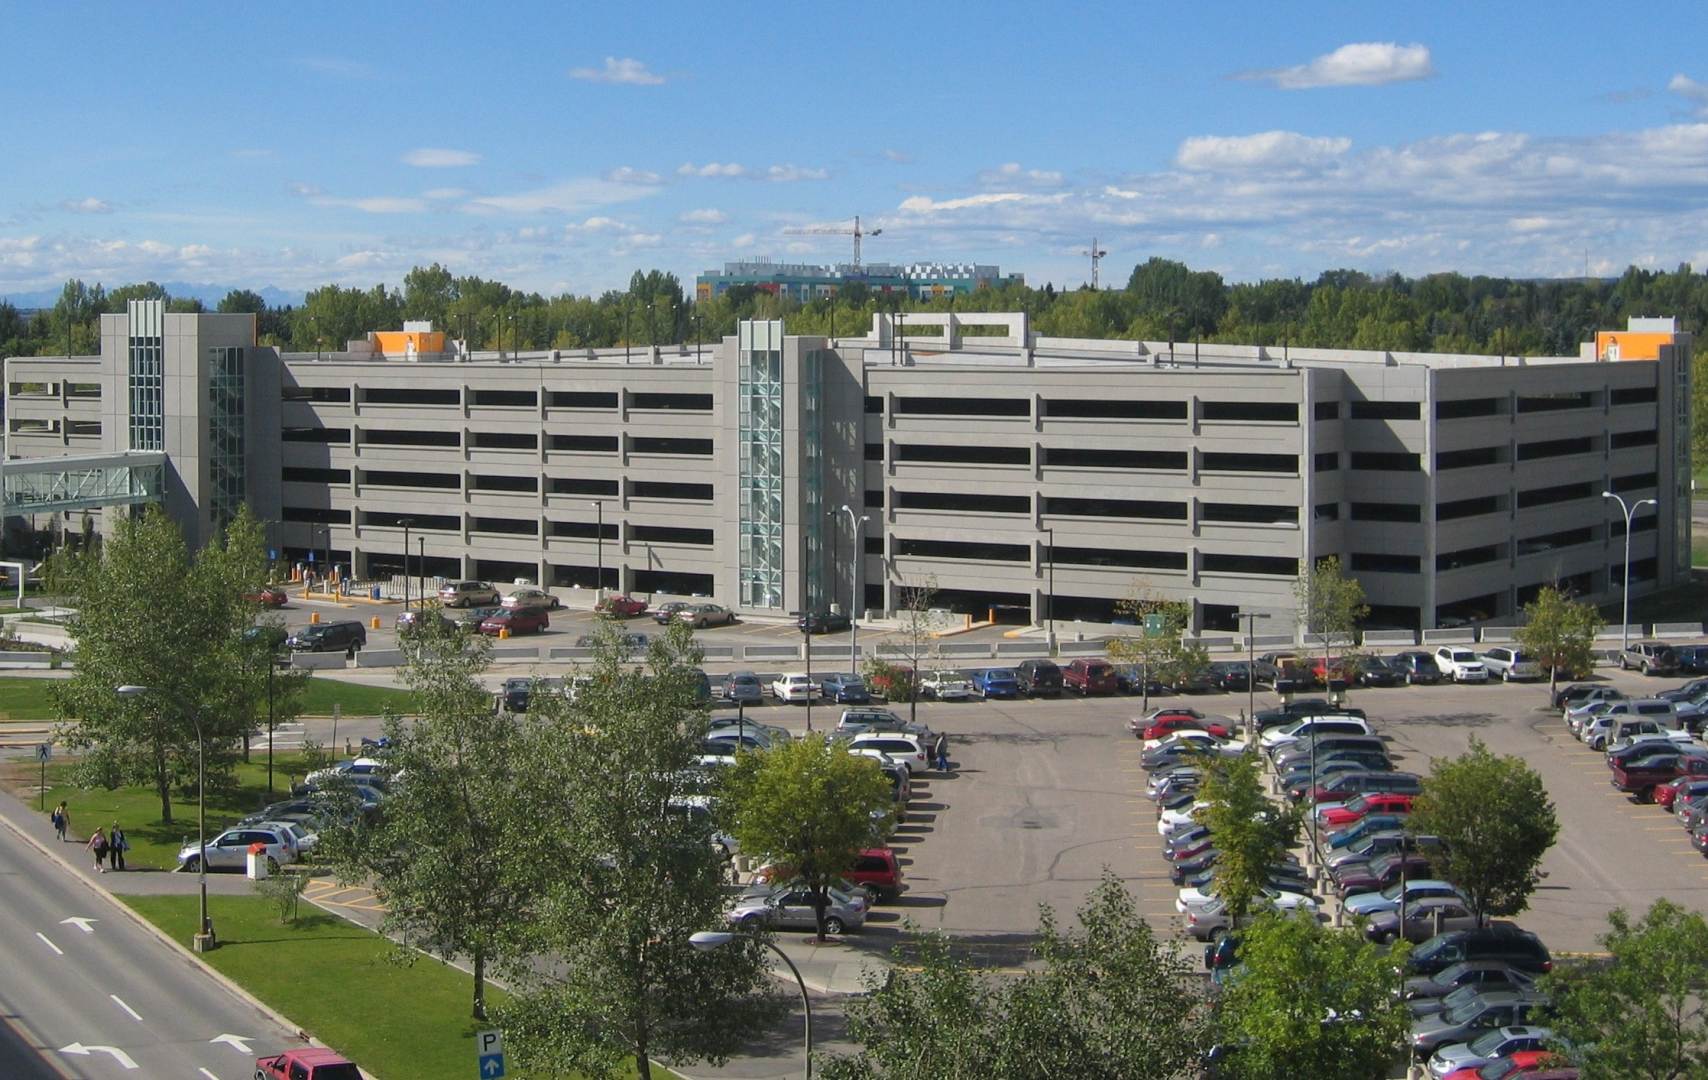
x=1419, y=668
x=1501, y=942
x=1038, y=677
x=344, y=637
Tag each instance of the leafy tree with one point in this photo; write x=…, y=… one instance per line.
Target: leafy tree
x=142, y=582
x=810, y=804
x=1252, y=833
x=1312, y=1000
x=436, y=858
x=618, y=876
x=1641, y=1016
x=241, y=302
x=1161, y=654
x=1108, y=999
x=1495, y=821
x=1331, y=605
x=1560, y=632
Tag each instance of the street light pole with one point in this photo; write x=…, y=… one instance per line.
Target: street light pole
x=421, y=568
x=406, y=523
x=599, y=533
x=858, y=524
x=707, y=940
x=1629, y=512
x=204, y=939
x=1050, y=603
x=1251, y=618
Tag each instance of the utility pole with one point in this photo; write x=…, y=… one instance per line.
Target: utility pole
x=1097, y=255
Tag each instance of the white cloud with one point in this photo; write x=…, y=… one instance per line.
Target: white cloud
x=90, y=205
x=444, y=193
x=784, y=174
x=375, y=204
x=623, y=72
x=744, y=241
x=303, y=191
x=568, y=197
x=706, y=216
x=1267, y=150
x=920, y=204
x=711, y=168
x=362, y=260
x=626, y=175
x=1010, y=174
x=438, y=157
x=1692, y=91
x=900, y=157
x=1369, y=63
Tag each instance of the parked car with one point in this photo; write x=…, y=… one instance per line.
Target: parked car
x=1518, y=1065
x=1419, y=668
x=408, y=622
x=1416, y=890
x=306, y=1063
x=529, y=597
x=1376, y=670
x=793, y=910
x=946, y=686
x=270, y=596
x=842, y=689
x=347, y=637
x=1355, y=808
x=1161, y=723
x=997, y=682
x=1690, y=659
x=1490, y=974
x=1344, y=786
x=529, y=620
x=469, y=621
x=859, y=721
x=1649, y=657
x=1424, y=919
x=1670, y=794
x=1231, y=675
x=1379, y=873
x=878, y=869
x=741, y=687
x=700, y=616
x=794, y=687
x=1459, y=664
x=663, y=613
x=1510, y=665
x=1641, y=775
x=1574, y=694
x=621, y=605
x=823, y=622
x=1087, y=677
x=517, y=693
x=1312, y=727
x=1500, y=941
x=1038, y=678
x=461, y=594
x=903, y=748
x=1497, y=1043
x=230, y=849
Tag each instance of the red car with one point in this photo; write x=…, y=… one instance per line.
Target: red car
x=1090, y=677
x=517, y=621
x=1164, y=726
x=270, y=596
x=879, y=868
x=1528, y=1064
x=1376, y=802
x=1668, y=793
x=309, y=1063
x=622, y=606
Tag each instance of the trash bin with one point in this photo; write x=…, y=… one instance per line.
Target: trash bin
x=257, y=861
x=374, y=593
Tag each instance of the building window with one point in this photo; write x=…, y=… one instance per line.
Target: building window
x=505, y=397
x=1249, y=463
x=1266, y=412
x=147, y=375
x=1464, y=508
x=1057, y=505
x=1557, y=494
x=659, y=489
x=874, y=406
x=582, y=399
x=503, y=440
x=1549, y=448
x=1634, y=482
x=946, y=454
x=963, y=502
x=1079, y=457
x=523, y=484
x=1464, y=408
x=1625, y=440
x=316, y=515
x=1098, y=556
x=507, y=525
x=317, y=395
x=1366, y=562
x=1375, y=462
x=1327, y=461
x=675, y=402
x=1634, y=395
x=378, y=437
x=964, y=406
x=1386, y=410
x=583, y=444
x=874, y=498
x=961, y=549
x=665, y=534
x=1581, y=399
x=685, y=447
x=1476, y=556
x=411, y=395
x=1267, y=565
x=1327, y=512
x=1102, y=409
x=574, y=485
x=291, y=474
x=1249, y=513
x=411, y=479
x=760, y=463
x=1536, y=545
x=1326, y=410
x=1466, y=459
x=1381, y=511
x=336, y=435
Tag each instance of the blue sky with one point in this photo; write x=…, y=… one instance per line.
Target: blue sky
x=558, y=147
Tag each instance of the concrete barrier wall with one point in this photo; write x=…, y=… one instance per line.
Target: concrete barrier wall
x=317, y=661
x=753, y=652
x=1495, y=635
x=966, y=648
x=561, y=652
x=516, y=652
x=1390, y=637
x=18, y=660
x=1021, y=648
x=373, y=658
x=712, y=652
x=1678, y=629
x=1083, y=648
x=1460, y=636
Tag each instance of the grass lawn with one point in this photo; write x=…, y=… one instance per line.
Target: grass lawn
x=26, y=699
x=153, y=843
x=1698, y=551
x=334, y=979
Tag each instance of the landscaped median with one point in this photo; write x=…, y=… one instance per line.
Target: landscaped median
x=27, y=698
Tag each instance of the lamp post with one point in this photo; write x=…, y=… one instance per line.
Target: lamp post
x=707, y=940
x=858, y=525
x=599, y=534
x=406, y=523
x=204, y=939
x=1629, y=512
x=421, y=568
x=1250, y=618
x=1050, y=602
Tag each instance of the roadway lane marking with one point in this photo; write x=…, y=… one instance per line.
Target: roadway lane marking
x=84, y=1051
x=120, y=1002
x=207, y=1074
x=80, y=922
x=240, y=1043
x=50, y=944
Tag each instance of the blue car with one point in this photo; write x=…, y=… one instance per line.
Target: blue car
x=844, y=689
x=1367, y=826
x=997, y=682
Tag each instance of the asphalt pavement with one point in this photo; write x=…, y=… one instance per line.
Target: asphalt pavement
x=88, y=992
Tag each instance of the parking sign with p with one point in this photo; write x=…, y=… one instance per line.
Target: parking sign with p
x=489, y=1054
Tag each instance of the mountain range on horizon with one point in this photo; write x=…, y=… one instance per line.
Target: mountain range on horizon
x=207, y=292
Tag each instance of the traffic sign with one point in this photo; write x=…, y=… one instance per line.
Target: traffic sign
x=44, y=751
x=489, y=1054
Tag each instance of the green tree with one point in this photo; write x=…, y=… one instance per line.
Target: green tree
x=1495, y=822
x=618, y=875
x=142, y=581
x=1252, y=833
x=1560, y=632
x=1330, y=605
x=1106, y=999
x=810, y=804
x=241, y=302
x=436, y=857
x=1641, y=1016
x=1158, y=649
x=1312, y=1000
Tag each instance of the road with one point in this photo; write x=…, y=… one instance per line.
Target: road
x=112, y=1000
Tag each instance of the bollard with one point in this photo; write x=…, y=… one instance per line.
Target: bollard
x=314, y=617
x=346, y=746
x=1338, y=913
x=503, y=633
x=374, y=623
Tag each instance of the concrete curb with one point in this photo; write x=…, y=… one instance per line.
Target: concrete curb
x=217, y=976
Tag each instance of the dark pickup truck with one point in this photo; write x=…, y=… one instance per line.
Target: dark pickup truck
x=1641, y=776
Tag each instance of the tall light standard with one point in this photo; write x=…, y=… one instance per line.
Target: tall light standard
x=406, y=523
x=707, y=940
x=204, y=939
x=599, y=533
x=1629, y=512
x=1250, y=618
x=858, y=525
x=1050, y=603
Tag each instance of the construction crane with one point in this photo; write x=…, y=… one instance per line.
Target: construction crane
x=836, y=230
x=1096, y=254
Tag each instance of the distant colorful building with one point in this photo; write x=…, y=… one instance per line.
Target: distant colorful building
x=806, y=281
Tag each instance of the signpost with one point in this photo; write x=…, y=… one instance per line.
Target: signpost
x=44, y=754
x=489, y=1054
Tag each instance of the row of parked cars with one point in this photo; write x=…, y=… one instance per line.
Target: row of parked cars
x=1470, y=987
x=1651, y=746
x=289, y=830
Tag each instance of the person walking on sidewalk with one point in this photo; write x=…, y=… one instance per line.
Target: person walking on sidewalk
x=117, y=845
x=61, y=818
x=98, y=844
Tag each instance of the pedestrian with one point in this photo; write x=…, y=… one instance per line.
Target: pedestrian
x=98, y=844
x=942, y=754
x=61, y=818
x=117, y=845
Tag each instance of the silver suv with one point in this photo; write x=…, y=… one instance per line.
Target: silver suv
x=1649, y=657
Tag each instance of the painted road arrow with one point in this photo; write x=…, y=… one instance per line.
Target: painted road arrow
x=240, y=1043
x=118, y=1055
x=80, y=922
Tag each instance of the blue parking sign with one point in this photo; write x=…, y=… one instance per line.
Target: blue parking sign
x=489, y=1054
